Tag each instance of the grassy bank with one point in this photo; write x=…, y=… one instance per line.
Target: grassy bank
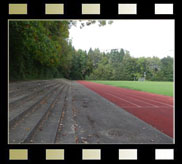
x=163, y=88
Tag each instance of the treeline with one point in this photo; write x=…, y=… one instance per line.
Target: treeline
x=39, y=49
x=43, y=50
x=119, y=65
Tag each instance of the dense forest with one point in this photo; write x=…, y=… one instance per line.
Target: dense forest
x=42, y=50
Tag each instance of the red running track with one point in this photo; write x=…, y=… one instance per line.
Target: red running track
x=157, y=110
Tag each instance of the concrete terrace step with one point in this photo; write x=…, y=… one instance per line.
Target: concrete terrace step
x=16, y=89
x=16, y=114
x=15, y=101
x=47, y=131
x=67, y=134
x=23, y=130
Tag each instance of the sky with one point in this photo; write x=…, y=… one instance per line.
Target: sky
x=140, y=37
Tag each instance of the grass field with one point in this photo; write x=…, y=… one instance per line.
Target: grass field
x=163, y=88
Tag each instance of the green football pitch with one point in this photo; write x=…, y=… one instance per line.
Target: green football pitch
x=163, y=88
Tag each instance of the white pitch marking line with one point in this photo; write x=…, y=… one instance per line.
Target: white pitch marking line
x=124, y=100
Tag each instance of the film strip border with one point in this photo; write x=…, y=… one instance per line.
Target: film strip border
x=62, y=8
x=91, y=154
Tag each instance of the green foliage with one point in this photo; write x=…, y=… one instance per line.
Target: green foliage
x=119, y=65
x=41, y=49
x=102, y=72
x=167, y=69
x=83, y=23
x=36, y=48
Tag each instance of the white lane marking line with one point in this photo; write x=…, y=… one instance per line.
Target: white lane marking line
x=148, y=99
x=124, y=100
x=144, y=102
x=150, y=107
x=156, y=101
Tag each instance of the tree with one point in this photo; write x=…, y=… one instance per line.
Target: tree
x=128, y=68
x=36, y=48
x=42, y=49
x=167, y=68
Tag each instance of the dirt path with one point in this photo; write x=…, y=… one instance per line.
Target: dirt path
x=61, y=111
